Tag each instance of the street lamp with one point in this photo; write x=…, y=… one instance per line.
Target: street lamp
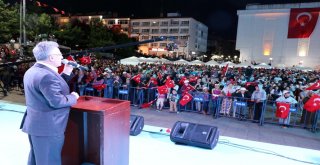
x=270, y=61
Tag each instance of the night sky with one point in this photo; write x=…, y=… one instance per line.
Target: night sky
x=219, y=15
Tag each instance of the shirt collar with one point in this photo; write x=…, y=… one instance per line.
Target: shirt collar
x=49, y=66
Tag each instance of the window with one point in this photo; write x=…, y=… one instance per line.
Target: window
x=123, y=21
x=164, y=31
x=145, y=37
x=135, y=23
x=163, y=44
x=184, y=37
x=111, y=22
x=184, y=31
x=164, y=23
x=135, y=31
x=145, y=24
x=154, y=31
x=154, y=44
x=154, y=23
x=184, y=23
x=145, y=30
x=174, y=23
x=174, y=31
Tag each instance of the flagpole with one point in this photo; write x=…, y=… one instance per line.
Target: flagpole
x=24, y=22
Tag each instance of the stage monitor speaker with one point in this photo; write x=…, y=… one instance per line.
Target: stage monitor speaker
x=199, y=135
x=136, y=124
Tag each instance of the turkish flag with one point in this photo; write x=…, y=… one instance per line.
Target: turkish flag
x=283, y=110
x=154, y=81
x=38, y=3
x=99, y=86
x=224, y=70
x=181, y=82
x=85, y=60
x=314, y=86
x=193, y=78
x=137, y=78
x=189, y=88
x=60, y=68
x=55, y=9
x=159, y=75
x=302, y=22
x=185, y=99
x=169, y=83
x=162, y=89
x=313, y=104
x=147, y=105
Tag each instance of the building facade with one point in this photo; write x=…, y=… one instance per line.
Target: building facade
x=186, y=37
x=263, y=36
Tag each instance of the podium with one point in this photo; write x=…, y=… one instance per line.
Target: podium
x=97, y=132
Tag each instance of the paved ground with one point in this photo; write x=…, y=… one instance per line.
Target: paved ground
x=228, y=127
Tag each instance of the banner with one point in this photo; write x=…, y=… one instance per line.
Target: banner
x=302, y=22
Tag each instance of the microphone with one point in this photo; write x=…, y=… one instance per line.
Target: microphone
x=74, y=64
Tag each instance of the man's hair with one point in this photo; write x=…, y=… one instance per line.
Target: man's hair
x=41, y=50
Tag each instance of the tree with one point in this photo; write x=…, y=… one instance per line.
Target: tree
x=9, y=22
x=38, y=26
x=99, y=36
x=71, y=36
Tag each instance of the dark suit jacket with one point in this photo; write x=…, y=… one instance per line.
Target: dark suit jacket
x=48, y=101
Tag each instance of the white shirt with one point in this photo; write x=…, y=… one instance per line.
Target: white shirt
x=49, y=66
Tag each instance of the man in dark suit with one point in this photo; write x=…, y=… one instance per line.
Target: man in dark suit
x=48, y=102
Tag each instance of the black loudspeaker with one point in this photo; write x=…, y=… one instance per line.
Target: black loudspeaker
x=199, y=135
x=136, y=124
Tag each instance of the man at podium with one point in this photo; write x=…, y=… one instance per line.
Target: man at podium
x=48, y=102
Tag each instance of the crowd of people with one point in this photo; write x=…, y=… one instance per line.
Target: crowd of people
x=110, y=79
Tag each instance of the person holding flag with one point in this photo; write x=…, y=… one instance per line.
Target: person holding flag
x=162, y=93
x=285, y=98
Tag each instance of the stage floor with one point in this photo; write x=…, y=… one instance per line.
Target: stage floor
x=157, y=149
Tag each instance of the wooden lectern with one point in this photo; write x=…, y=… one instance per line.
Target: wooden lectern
x=97, y=132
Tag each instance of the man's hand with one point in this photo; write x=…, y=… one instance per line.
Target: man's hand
x=75, y=94
x=67, y=69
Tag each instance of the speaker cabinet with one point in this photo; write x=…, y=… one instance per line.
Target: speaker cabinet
x=199, y=135
x=136, y=124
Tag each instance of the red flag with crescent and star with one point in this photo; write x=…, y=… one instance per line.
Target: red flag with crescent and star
x=314, y=86
x=182, y=79
x=313, y=104
x=162, y=89
x=60, y=68
x=137, y=78
x=283, y=110
x=302, y=22
x=169, y=83
x=154, y=81
x=85, y=60
x=185, y=99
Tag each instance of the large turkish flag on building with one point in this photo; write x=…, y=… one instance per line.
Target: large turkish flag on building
x=302, y=22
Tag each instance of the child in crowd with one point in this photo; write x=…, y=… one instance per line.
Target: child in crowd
x=160, y=101
x=173, y=99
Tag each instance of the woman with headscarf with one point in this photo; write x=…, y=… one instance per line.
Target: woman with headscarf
x=227, y=100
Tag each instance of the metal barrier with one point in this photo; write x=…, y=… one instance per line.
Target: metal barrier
x=218, y=106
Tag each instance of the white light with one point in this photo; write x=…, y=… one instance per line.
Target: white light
x=270, y=59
